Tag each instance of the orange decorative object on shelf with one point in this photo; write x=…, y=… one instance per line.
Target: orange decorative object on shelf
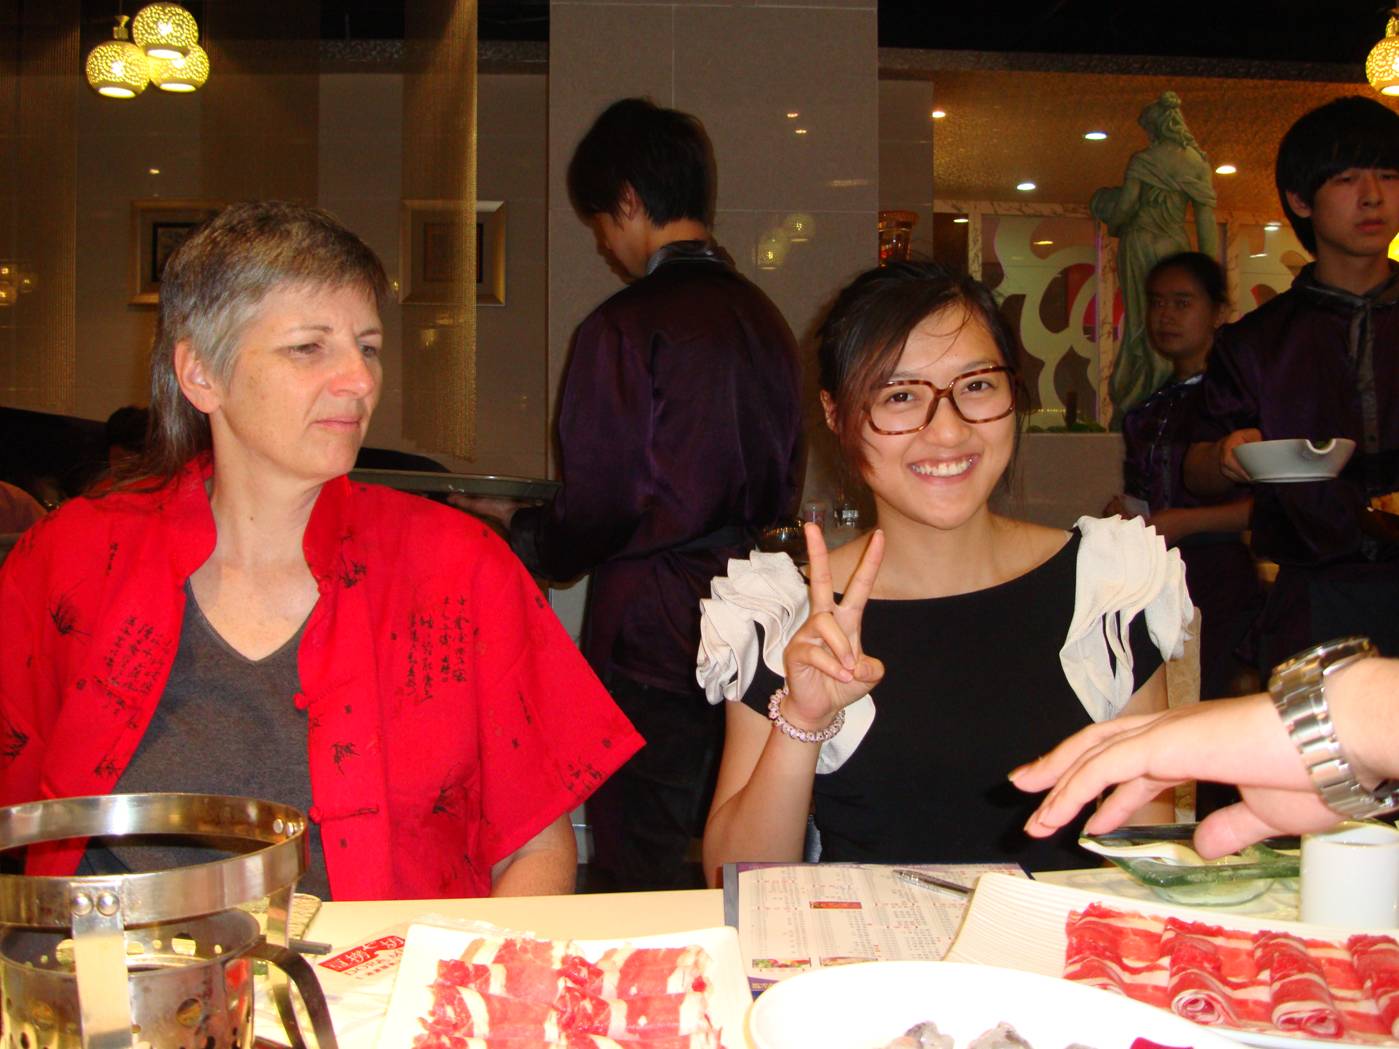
x=895, y=235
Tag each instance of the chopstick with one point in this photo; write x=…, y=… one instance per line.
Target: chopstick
x=931, y=881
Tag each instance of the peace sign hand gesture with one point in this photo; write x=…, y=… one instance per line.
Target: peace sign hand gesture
x=826, y=668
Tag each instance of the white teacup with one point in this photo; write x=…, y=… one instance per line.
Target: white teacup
x=1294, y=459
x=1350, y=876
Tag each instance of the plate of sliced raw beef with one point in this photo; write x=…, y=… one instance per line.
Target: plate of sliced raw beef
x=1261, y=981
x=460, y=989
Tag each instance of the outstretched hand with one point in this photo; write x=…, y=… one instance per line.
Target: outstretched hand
x=1237, y=741
x=826, y=667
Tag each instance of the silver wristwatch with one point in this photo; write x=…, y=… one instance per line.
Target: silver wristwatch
x=1299, y=694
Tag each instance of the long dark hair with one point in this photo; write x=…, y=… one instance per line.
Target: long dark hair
x=209, y=291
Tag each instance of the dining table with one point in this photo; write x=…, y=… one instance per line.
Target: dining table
x=593, y=916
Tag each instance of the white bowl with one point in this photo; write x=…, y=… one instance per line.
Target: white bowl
x=868, y=1005
x=1295, y=459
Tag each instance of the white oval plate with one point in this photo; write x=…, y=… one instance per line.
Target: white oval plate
x=868, y=1005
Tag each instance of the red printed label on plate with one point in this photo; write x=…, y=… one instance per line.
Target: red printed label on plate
x=367, y=960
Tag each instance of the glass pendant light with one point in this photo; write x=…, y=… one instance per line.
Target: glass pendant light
x=118, y=68
x=165, y=30
x=181, y=74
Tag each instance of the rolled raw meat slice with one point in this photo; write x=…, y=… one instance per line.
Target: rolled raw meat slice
x=518, y=950
x=1194, y=987
x=466, y=1012
x=628, y=972
x=1376, y=961
x=525, y=980
x=1096, y=941
x=704, y=1039
x=646, y=1016
x=1297, y=987
x=1131, y=940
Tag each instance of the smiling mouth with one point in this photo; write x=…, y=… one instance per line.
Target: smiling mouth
x=950, y=468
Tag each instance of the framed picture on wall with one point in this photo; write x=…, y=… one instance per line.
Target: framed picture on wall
x=158, y=227
x=428, y=249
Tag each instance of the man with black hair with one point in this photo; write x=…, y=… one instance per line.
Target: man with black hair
x=678, y=438
x=1321, y=360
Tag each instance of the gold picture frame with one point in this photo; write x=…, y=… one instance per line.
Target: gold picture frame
x=158, y=227
x=428, y=247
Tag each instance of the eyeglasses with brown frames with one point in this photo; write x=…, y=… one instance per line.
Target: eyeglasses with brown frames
x=981, y=395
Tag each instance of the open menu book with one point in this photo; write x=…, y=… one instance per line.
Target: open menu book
x=792, y=917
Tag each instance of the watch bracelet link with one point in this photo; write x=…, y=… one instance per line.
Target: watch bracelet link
x=1298, y=691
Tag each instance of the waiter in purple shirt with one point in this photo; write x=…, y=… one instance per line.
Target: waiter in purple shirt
x=678, y=435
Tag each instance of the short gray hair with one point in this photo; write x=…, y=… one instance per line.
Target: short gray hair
x=209, y=291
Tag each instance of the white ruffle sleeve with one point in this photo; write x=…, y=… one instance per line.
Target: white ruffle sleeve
x=1124, y=568
x=767, y=591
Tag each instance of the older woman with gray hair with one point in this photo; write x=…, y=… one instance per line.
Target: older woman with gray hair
x=233, y=615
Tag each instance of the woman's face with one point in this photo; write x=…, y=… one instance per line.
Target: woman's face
x=1180, y=317
x=944, y=474
x=305, y=381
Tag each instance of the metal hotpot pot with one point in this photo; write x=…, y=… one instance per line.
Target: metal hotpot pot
x=160, y=959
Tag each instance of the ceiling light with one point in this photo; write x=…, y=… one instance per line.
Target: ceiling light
x=184, y=74
x=1382, y=64
x=1272, y=227
x=961, y=220
x=1225, y=169
x=164, y=30
x=793, y=116
x=118, y=68
x=938, y=114
x=153, y=171
x=1259, y=255
x=1095, y=136
x=1042, y=243
x=1025, y=186
x=799, y=131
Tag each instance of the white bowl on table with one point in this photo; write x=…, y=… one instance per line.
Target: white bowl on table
x=866, y=1006
x=1294, y=459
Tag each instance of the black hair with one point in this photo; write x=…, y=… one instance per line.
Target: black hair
x=663, y=154
x=1350, y=132
x=863, y=335
x=1204, y=268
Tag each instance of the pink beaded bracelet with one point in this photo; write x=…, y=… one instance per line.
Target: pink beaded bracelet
x=801, y=734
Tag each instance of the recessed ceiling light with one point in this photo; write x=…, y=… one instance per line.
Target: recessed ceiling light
x=153, y=171
x=1095, y=136
x=793, y=116
x=799, y=131
x=1043, y=243
x=938, y=114
x=1272, y=227
x=1259, y=255
x=1025, y=186
x=961, y=220
x=1225, y=169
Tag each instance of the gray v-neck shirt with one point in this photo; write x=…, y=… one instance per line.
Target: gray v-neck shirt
x=225, y=724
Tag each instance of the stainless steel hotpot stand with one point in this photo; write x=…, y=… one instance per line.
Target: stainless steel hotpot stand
x=158, y=960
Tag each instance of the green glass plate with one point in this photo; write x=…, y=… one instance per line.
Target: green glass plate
x=1192, y=880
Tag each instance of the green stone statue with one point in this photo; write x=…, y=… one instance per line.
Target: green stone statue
x=1147, y=215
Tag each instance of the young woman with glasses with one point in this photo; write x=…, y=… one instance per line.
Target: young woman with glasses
x=889, y=695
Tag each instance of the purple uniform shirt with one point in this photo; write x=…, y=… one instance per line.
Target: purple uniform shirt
x=678, y=437
x=1157, y=434
x=1314, y=362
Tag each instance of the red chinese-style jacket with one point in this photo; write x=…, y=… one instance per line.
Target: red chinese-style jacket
x=450, y=718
